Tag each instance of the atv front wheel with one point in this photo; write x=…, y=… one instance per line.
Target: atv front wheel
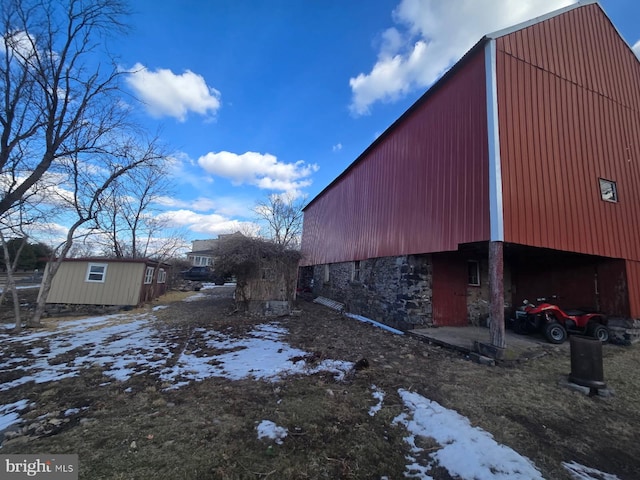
x=555, y=332
x=600, y=332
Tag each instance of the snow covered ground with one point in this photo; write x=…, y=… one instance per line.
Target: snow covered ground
x=127, y=345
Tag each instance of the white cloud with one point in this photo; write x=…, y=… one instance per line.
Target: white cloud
x=234, y=206
x=210, y=224
x=337, y=147
x=230, y=206
x=50, y=232
x=429, y=36
x=50, y=192
x=170, y=202
x=261, y=170
x=19, y=43
x=168, y=94
x=199, y=204
x=636, y=48
x=203, y=204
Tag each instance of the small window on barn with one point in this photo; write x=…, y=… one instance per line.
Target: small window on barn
x=96, y=272
x=608, y=190
x=474, y=273
x=162, y=276
x=355, y=275
x=148, y=275
x=326, y=274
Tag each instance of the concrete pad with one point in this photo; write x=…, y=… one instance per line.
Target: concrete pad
x=519, y=347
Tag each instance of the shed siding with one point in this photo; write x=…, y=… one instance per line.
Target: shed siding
x=423, y=187
x=569, y=113
x=121, y=287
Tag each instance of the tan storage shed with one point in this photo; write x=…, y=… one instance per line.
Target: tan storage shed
x=107, y=281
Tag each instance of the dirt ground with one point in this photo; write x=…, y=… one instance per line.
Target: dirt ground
x=138, y=430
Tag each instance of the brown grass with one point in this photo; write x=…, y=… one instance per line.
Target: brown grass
x=137, y=430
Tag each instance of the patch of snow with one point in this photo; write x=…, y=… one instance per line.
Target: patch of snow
x=417, y=470
x=580, y=472
x=194, y=298
x=467, y=451
x=209, y=286
x=159, y=307
x=127, y=345
x=9, y=413
x=22, y=287
x=378, y=395
x=261, y=355
x=72, y=411
x=114, y=342
x=268, y=429
x=374, y=323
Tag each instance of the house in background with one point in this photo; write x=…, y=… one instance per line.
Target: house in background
x=203, y=252
x=107, y=281
x=519, y=169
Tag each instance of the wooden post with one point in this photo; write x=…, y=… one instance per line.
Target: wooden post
x=496, y=294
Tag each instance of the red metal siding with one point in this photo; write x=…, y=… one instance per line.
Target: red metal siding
x=569, y=113
x=633, y=282
x=612, y=288
x=423, y=187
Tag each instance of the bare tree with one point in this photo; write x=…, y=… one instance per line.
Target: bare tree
x=15, y=223
x=10, y=285
x=89, y=181
x=282, y=214
x=162, y=241
x=128, y=220
x=56, y=100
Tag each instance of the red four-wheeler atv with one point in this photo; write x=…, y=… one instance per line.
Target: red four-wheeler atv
x=555, y=323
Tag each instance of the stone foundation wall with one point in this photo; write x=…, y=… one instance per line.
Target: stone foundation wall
x=392, y=290
x=478, y=296
x=624, y=331
x=396, y=291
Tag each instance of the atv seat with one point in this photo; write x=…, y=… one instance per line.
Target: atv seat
x=574, y=312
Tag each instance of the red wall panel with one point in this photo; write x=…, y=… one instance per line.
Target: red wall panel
x=569, y=113
x=422, y=187
x=449, y=297
x=613, y=288
x=633, y=281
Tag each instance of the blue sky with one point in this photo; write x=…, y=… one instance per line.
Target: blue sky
x=256, y=97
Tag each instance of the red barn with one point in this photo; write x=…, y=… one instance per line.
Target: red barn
x=528, y=148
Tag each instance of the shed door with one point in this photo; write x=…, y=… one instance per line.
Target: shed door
x=449, y=290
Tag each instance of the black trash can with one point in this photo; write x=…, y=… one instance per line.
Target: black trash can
x=586, y=362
